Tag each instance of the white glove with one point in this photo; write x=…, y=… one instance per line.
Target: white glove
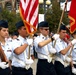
x=27, y=66
x=49, y=59
x=53, y=50
x=55, y=36
x=73, y=41
x=68, y=59
x=29, y=61
x=29, y=41
x=73, y=70
x=3, y=65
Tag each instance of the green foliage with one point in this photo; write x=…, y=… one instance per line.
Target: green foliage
x=53, y=16
x=41, y=10
x=11, y=17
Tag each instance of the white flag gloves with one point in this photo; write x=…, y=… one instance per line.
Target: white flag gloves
x=73, y=70
x=27, y=66
x=68, y=59
x=29, y=61
x=49, y=59
x=53, y=50
x=3, y=65
x=29, y=41
x=55, y=36
x=73, y=41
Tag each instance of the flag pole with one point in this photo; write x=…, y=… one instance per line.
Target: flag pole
x=31, y=36
x=61, y=19
x=71, y=51
x=29, y=14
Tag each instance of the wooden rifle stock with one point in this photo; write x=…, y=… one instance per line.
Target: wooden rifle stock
x=2, y=55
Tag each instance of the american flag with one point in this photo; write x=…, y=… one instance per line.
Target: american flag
x=29, y=14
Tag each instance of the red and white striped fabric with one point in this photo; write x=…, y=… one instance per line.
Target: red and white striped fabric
x=29, y=13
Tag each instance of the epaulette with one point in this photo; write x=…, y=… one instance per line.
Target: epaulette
x=10, y=40
x=17, y=39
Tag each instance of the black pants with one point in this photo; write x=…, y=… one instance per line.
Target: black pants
x=5, y=71
x=21, y=71
x=61, y=70
x=75, y=67
x=45, y=68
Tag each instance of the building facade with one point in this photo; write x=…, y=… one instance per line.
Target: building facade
x=11, y=5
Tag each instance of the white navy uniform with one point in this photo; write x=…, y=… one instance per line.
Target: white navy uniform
x=61, y=66
x=21, y=57
x=43, y=66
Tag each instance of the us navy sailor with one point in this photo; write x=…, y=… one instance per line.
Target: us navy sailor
x=21, y=63
x=44, y=49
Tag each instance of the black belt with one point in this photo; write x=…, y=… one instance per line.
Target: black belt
x=42, y=59
x=18, y=68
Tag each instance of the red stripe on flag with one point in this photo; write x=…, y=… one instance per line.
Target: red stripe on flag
x=36, y=21
x=24, y=0
x=27, y=9
x=33, y=9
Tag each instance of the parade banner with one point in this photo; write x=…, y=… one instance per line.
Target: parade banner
x=72, y=16
x=29, y=14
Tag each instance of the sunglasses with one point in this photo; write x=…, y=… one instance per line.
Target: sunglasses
x=46, y=29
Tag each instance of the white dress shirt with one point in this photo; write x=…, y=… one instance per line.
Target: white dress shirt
x=17, y=43
x=42, y=52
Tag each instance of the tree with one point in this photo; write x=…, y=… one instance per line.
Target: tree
x=53, y=15
x=11, y=17
x=41, y=10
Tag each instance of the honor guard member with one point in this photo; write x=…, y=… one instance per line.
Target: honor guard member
x=74, y=55
x=6, y=48
x=21, y=62
x=44, y=49
x=62, y=61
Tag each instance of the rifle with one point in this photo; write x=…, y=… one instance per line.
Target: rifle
x=2, y=55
